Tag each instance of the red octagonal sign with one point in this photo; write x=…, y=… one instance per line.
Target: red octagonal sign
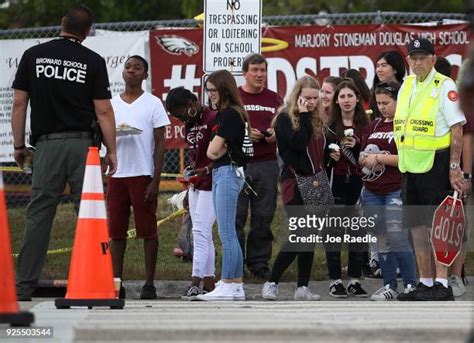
x=447, y=230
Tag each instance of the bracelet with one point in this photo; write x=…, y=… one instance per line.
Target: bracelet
x=467, y=176
x=21, y=147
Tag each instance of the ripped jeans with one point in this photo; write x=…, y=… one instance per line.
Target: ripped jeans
x=394, y=248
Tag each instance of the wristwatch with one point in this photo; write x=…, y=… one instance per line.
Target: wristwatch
x=453, y=165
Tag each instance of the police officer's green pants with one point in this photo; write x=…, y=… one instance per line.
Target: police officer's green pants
x=55, y=163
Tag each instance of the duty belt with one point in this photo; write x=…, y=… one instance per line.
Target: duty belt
x=64, y=135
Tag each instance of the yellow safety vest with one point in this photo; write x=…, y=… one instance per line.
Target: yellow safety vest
x=414, y=126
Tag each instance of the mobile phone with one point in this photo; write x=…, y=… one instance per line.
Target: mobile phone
x=188, y=173
x=266, y=133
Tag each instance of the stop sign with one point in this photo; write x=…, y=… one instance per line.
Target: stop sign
x=447, y=230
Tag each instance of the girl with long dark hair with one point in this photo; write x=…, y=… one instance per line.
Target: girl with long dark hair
x=226, y=151
x=349, y=121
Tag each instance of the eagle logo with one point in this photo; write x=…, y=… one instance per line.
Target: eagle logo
x=177, y=45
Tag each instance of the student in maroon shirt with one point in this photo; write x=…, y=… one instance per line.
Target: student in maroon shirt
x=262, y=170
x=348, y=122
x=381, y=195
x=184, y=105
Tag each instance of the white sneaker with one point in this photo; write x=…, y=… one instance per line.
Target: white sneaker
x=457, y=285
x=222, y=292
x=270, y=291
x=304, y=293
x=384, y=293
x=239, y=293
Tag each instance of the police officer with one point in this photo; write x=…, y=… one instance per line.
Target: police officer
x=428, y=132
x=68, y=90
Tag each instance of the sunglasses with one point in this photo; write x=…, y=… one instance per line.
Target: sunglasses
x=387, y=88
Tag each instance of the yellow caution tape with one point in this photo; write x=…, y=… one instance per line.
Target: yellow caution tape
x=10, y=169
x=132, y=233
x=53, y=252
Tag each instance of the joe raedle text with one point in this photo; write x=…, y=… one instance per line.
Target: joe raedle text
x=317, y=229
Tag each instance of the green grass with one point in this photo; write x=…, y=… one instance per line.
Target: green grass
x=169, y=267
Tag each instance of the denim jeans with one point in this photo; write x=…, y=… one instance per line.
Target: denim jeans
x=393, y=245
x=227, y=182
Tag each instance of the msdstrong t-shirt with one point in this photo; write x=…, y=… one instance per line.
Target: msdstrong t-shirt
x=380, y=133
x=262, y=108
x=62, y=78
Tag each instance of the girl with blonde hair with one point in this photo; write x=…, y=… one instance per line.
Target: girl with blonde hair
x=301, y=143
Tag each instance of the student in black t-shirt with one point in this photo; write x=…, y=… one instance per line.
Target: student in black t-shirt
x=225, y=149
x=68, y=90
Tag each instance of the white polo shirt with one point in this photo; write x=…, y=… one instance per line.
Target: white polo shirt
x=449, y=112
x=135, y=153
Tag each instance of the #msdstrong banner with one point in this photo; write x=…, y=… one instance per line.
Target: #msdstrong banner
x=176, y=55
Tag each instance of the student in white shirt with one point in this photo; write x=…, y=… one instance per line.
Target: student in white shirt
x=137, y=180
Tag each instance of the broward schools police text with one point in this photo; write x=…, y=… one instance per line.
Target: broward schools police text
x=54, y=68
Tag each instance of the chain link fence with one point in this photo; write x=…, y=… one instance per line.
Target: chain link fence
x=18, y=184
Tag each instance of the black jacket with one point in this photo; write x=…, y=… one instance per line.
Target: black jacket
x=292, y=146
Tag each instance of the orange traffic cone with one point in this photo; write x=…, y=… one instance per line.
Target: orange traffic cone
x=91, y=280
x=9, y=310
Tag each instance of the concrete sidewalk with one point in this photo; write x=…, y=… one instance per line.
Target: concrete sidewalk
x=257, y=321
x=334, y=320
x=174, y=289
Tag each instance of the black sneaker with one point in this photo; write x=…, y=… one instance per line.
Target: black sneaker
x=122, y=294
x=337, y=290
x=372, y=270
x=191, y=293
x=354, y=288
x=148, y=291
x=410, y=293
x=262, y=273
x=436, y=293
